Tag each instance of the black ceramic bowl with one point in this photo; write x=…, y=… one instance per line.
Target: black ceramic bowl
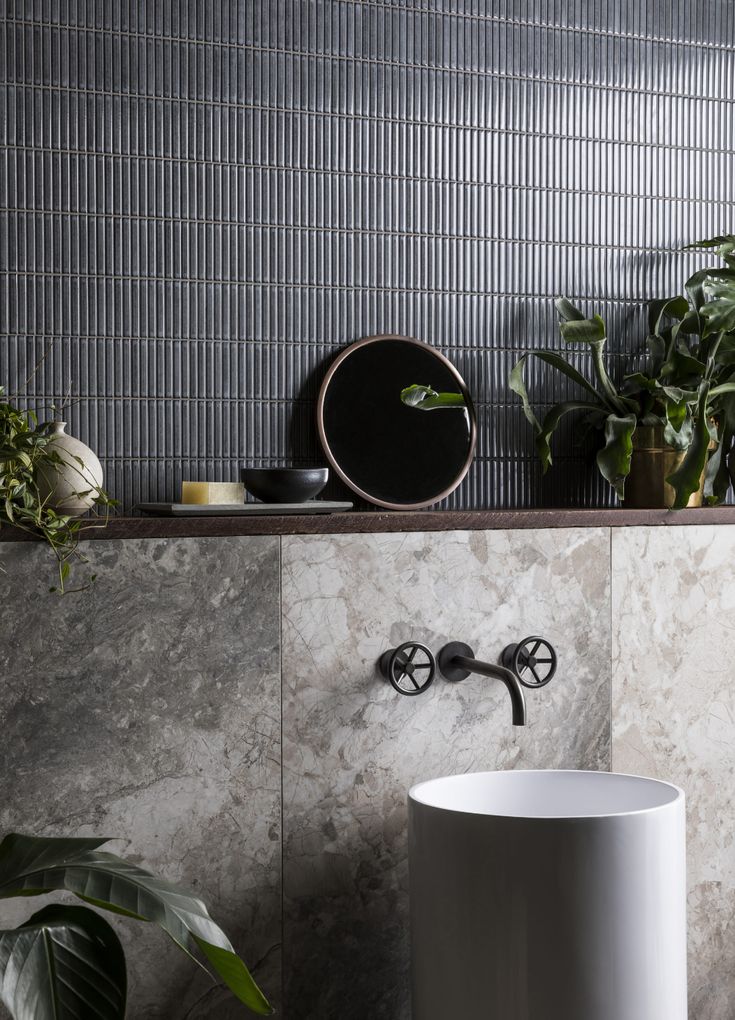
x=284, y=485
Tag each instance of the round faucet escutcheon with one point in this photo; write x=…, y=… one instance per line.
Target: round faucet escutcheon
x=533, y=660
x=410, y=668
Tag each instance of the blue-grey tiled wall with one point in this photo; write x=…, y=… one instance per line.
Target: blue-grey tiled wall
x=203, y=200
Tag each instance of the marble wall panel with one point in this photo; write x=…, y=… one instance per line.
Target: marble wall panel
x=148, y=708
x=674, y=718
x=352, y=746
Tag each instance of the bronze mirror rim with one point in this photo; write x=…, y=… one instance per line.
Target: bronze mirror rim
x=461, y=475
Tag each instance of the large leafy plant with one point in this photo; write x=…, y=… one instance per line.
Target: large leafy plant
x=686, y=386
x=66, y=962
x=26, y=452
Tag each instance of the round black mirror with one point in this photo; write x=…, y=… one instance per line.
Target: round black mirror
x=389, y=451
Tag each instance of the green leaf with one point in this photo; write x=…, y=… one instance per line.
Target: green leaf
x=583, y=331
x=716, y=474
x=677, y=395
x=63, y=963
x=613, y=459
x=657, y=349
x=723, y=388
x=561, y=365
x=667, y=308
x=686, y=479
x=726, y=351
x=518, y=385
x=426, y=399
x=679, y=438
x=236, y=976
x=32, y=865
x=567, y=310
x=689, y=324
x=719, y=311
x=680, y=365
x=724, y=246
x=643, y=382
x=592, y=332
x=550, y=423
x=695, y=289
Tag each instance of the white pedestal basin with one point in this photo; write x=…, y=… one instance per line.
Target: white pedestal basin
x=547, y=896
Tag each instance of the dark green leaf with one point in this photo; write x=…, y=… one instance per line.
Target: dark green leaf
x=680, y=396
x=724, y=245
x=719, y=311
x=689, y=324
x=668, y=308
x=550, y=423
x=686, y=479
x=678, y=433
x=518, y=385
x=695, y=289
x=236, y=976
x=583, y=331
x=561, y=365
x=63, y=963
x=716, y=474
x=613, y=459
x=31, y=865
x=680, y=365
x=717, y=391
x=641, y=381
x=657, y=349
x=567, y=310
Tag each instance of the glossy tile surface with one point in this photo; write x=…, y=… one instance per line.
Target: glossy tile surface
x=201, y=201
x=674, y=718
x=148, y=709
x=353, y=747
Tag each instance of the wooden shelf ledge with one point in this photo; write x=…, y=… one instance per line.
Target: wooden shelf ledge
x=368, y=522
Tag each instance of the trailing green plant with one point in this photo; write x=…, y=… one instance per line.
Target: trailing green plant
x=26, y=452
x=66, y=962
x=687, y=385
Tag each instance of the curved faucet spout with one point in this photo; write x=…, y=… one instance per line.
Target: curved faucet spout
x=511, y=681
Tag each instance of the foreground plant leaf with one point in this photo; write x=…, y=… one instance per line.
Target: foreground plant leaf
x=63, y=963
x=32, y=865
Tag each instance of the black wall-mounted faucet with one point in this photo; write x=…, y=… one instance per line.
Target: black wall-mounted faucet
x=457, y=660
x=411, y=668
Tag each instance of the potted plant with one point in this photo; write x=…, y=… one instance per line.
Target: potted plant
x=66, y=961
x=33, y=465
x=666, y=431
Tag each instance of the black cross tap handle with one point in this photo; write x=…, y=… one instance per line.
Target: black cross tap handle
x=533, y=661
x=410, y=668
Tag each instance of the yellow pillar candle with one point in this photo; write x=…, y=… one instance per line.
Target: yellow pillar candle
x=213, y=493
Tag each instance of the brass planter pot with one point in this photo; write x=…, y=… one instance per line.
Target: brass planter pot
x=651, y=464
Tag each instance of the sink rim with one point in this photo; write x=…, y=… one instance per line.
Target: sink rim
x=676, y=795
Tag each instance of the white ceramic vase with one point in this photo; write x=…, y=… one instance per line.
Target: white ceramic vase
x=72, y=485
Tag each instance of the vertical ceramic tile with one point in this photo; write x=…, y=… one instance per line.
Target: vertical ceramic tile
x=147, y=709
x=353, y=746
x=287, y=176
x=674, y=718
